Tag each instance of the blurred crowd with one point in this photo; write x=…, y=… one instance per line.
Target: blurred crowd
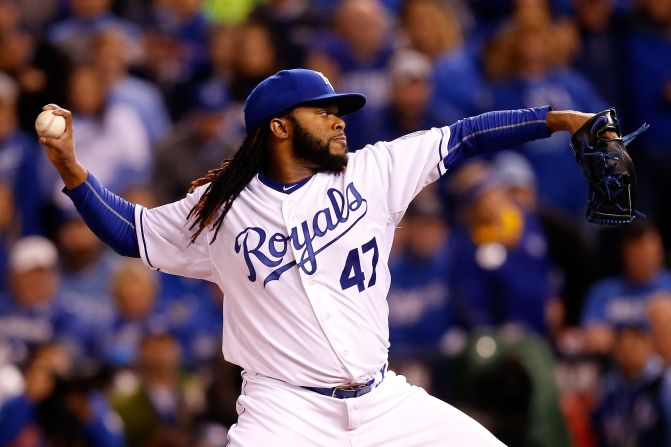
x=504, y=301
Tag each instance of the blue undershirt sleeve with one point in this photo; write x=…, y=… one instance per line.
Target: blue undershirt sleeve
x=109, y=216
x=493, y=131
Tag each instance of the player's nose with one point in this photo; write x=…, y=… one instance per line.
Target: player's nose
x=338, y=123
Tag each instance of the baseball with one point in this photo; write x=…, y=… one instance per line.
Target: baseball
x=49, y=125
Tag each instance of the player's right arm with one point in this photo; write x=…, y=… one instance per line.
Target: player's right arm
x=160, y=236
x=109, y=216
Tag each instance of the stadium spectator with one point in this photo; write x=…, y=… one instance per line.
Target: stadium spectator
x=649, y=87
x=419, y=310
x=204, y=136
x=256, y=58
x=222, y=51
x=112, y=62
x=628, y=410
x=161, y=408
x=355, y=57
x=111, y=138
x=294, y=25
x=623, y=299
x=135, y=291
x=501, y=271
x=504, y=378
x=574, y=265
x=522, y=56
x=86, y=266
x=193, y=312
x=58, y=407
x=19, y=167
x=360, y=48
x=30, y=313
x=410, y=108
x=38, y=68
x=600, y=58
x=219, y=66
x=74, y=34
x=434, y=29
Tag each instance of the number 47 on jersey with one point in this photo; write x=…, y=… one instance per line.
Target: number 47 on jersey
x=352, y=274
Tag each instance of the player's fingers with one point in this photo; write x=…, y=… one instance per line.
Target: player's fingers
x=51, y=106
x=45, y=141
x=51, y=142
x=66, y=114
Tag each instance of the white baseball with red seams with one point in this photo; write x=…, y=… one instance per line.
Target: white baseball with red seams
x=49, y=125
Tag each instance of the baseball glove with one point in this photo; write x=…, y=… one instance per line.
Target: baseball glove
x=608, y=169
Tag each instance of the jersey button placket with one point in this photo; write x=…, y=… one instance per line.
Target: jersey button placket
x=288, y=214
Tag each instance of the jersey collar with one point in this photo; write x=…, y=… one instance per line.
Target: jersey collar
x=286, y=188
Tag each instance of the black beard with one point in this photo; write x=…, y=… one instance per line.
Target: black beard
x=310, y=149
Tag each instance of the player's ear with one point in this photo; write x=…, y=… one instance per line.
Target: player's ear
x=280, y=127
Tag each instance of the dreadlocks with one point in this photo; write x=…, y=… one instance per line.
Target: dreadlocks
x=227, y=181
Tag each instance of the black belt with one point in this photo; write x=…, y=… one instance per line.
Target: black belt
x=349, y=391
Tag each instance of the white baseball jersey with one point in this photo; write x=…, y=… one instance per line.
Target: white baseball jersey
x=304, y=272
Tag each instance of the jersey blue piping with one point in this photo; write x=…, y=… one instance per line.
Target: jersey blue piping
x=95, y=193
x=282, y=187
x=494, y=129
x=440, y=151
x=146, y=253
x=481, y=132
x=244, y=385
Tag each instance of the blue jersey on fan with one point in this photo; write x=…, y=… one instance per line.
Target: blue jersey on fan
x=193, y=314
x=119, y=345
x=615, y=301
x=629, y=410
x=493, y=287
x=23, y=328
x=418, y=301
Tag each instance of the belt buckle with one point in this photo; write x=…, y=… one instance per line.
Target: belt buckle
x=351, y=387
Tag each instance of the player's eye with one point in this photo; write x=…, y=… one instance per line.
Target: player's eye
x=323, y=113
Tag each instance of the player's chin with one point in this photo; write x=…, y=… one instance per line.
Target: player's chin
x=334, y=163
x=338, y=146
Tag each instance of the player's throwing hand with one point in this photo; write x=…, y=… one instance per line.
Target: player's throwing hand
x=61, y=150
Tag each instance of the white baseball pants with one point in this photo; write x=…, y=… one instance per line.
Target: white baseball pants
x=394, y=414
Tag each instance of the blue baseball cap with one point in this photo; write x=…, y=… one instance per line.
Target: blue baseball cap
x=288, y=89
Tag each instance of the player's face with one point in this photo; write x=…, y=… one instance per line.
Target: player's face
x=319, y=137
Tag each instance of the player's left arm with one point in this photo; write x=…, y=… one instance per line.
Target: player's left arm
x=408, y=164
x=498, y=130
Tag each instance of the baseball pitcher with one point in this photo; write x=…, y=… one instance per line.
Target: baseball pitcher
x=296, y=232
